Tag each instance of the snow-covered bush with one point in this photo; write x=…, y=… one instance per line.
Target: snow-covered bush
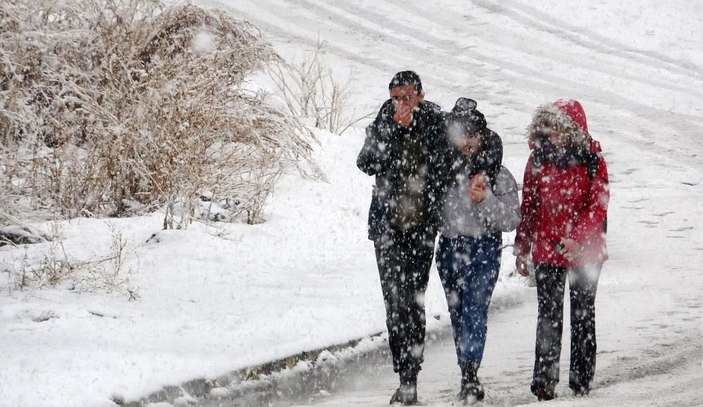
x=119, y=107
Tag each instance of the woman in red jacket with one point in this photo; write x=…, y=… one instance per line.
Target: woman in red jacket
x=562, y=231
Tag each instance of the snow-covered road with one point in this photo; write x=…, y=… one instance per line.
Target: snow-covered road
x=650, y=354
x=658, y=368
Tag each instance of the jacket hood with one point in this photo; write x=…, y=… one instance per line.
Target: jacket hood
x=565, y=114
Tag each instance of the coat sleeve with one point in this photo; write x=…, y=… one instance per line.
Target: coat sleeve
x=528, y=211
x=501, y=208
x=591, y=219
x=376, y=156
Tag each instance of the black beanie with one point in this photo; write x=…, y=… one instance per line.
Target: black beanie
x=403, y=78
x=465, y=119
x=464, y=116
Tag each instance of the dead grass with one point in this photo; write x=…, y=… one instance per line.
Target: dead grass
x=121, y=107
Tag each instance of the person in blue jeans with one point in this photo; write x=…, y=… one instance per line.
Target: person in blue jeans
x=480, y=202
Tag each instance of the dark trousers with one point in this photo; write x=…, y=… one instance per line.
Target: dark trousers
x=583, y=282
x=404, y=260
x=468, y=268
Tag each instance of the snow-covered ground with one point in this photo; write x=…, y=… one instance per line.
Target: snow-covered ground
x=215, y=299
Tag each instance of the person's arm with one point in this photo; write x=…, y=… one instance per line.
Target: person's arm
x=528, y=210
x=441, y=158
x=590, y=220
x=376, y=155
x=501, y=207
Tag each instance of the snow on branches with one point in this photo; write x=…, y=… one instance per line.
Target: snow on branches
x=120, y=107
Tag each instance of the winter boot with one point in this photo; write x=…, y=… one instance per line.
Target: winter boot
x=406, y=394
x=471, y=387
x=580, y=390
x=543, y=392
x=579, y=385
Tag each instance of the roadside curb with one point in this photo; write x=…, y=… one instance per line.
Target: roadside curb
x=290, y=378
x=297, y=377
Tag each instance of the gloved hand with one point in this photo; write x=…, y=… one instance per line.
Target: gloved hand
x=522, y=265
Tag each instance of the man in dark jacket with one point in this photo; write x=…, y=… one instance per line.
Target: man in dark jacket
x=405, y=149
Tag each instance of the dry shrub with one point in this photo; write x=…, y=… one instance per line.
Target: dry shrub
x=118, y=107
x=310, y=90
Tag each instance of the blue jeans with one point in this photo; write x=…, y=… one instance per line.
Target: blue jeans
x=468, y=268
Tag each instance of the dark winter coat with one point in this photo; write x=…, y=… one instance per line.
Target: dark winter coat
x=410, y=168
x=561, y=199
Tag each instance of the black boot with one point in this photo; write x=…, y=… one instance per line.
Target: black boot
x=580, y=390
x=544, y=392
x=471, y=387
x=579, y=384
x=406, y=394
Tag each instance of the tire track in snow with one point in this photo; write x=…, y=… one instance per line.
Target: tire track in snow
x=285, y=31
x=587, y=38
x=537, y=46
x=438, y=44
x=659, y=365
x=420, y=50
x=537, y=80
x=389, y=62
x=692, y=126
x=429, y=47
x=288, y=33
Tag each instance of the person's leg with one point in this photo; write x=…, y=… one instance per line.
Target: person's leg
x=404, y=264
x=550, y=307
x=448, y=260
x=583, y=282
x=388, y=262
x=416, y=263
x=481, y=275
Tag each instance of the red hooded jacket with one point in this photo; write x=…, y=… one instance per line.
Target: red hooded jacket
x=563, y=202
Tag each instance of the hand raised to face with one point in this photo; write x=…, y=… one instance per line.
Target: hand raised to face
x=477, y=188
x=403, y=115
x=405, y=100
